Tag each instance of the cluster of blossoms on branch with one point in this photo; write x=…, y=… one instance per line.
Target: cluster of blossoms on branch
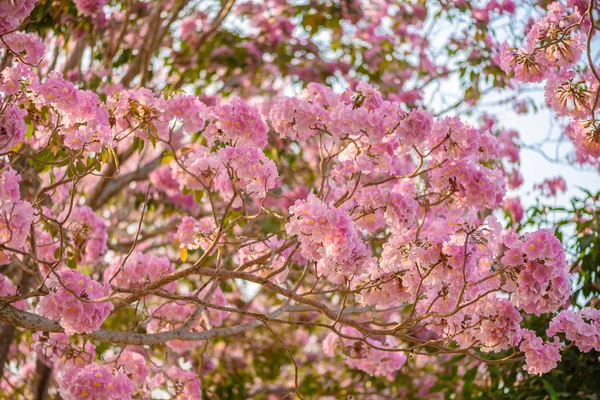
x=141, y=228
x=552, y=53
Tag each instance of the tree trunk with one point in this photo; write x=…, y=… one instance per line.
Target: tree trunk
x=43, y=373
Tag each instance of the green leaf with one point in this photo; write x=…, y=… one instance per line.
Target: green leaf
x=550, y=390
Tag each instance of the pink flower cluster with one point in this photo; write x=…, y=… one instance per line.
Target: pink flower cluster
x=134, y=365
x=12, y=12
x=16, y=215
x=499, y=329
x=238, y=123
x=191, y=111
x=28, y=46
x=57, y=350
x=248, y=170
x=540, y=356
x=296, y=118
x=138, y=270
x=67, y=302
x=580, y=327
x=552, y=186
x=177, y=382
x=474, y=185
x=83, y=117
x=367, y=356
x=194, y=234
x=543, y=278
x=549, y=44
x=383, y=207
x=90, y=8
x=12, y=127
x=88, y=232
x=94, y=381
x=7, y=288
x=327, y=235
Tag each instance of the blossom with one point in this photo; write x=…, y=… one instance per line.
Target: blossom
x=513, y=207
x=297, y=118
x=475, y=185
x=16, y=215
x=581, y=327
x=248, y=170
x=12, y=12
x=567, y=95
x=383, y=207
x=543, y=279
x=540, y=356
x=90, y=8
x=56, y=349
x=28, y=46
x=362, y=356
x=88, y=232
x=551, y=186
x=189, y=110
x=238, y=122
x=138, y=269
x=194, y=234
x=499, y=328
x=12, y=127
x=134, y=365
x=94, y=381
x=326, y=234
x=414, y=127
x=7, y=288
x=73, y=314
x=185, y=384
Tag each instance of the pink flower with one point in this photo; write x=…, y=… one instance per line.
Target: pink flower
x=90, y=8
x=513, y=207
x=581, y=327
x=238, y=122
x=326, y=234
x=248, y=170
x=12, y=127
x=12, y=12
x=296, y=118
x=189, y=110
x=543, y=282
x=73, y=314
x=362, y=356
x=94, y=381
x=500, y=328
x=540, y=356
x=16, y=215
x=56, y=349
x=134, y=365
x=414, y=127
x=7, y=288
x=138, y=270
x=88, y=231
x=552, y=186
x=177, y=382
x=194, y=234
x=28, y=46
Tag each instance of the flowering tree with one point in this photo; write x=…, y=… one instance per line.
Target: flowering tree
x=266, y=199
